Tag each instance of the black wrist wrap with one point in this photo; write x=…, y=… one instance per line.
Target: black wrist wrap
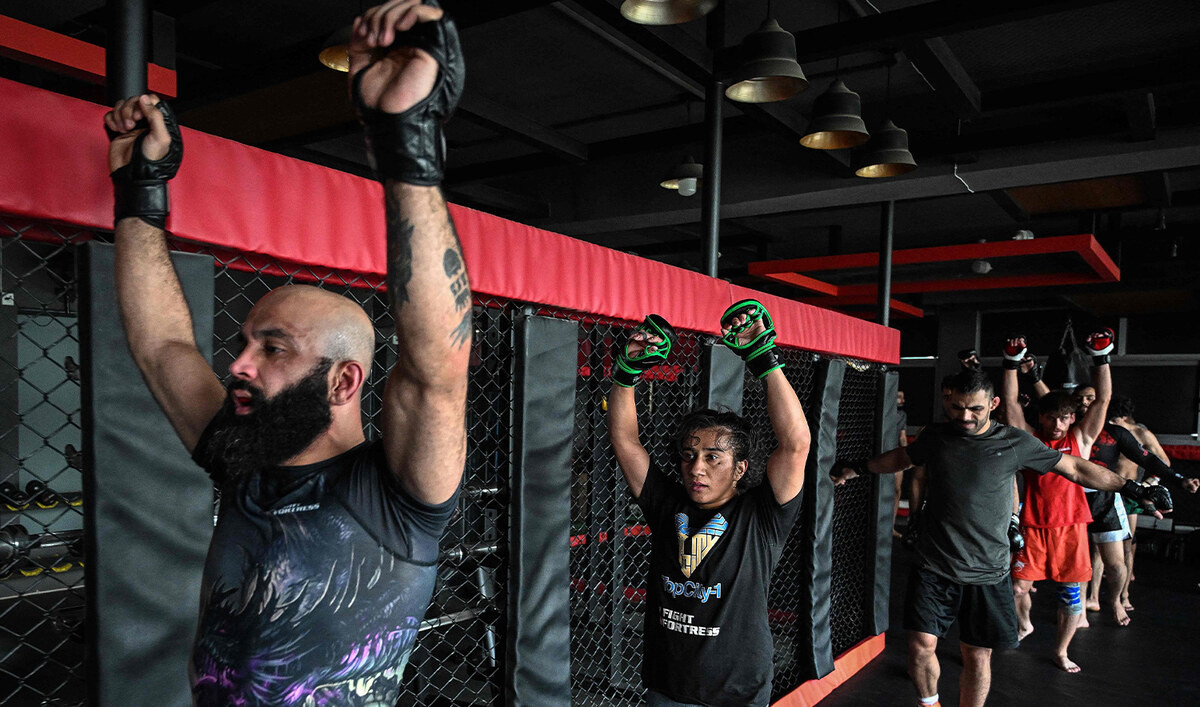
x=140, y=187
x=409, y=147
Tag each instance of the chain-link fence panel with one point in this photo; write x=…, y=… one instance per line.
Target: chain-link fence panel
x=853, y=521
x=459, y=657
x=41, y=505
x=610, y=541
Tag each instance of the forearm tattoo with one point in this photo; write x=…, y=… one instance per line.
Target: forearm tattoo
x=399, y=252
x=460, y=288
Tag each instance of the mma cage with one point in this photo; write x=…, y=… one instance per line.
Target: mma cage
x=541, y=584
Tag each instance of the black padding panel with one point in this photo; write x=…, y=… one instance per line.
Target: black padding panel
x=817, y=515
x=883, y=496
x=539, y=648
x=148, y=509
x=724, y=378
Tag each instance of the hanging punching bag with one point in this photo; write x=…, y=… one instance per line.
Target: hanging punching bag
x=1069, y=366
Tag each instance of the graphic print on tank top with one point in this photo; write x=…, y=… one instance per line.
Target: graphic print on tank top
x=694, y=548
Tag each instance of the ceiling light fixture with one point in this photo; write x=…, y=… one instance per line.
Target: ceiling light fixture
x=886, y=154
x=837, y=114
x=837, y=120
x=665, y=12
x=684, y=177
x=335, y=52
x=765, y=67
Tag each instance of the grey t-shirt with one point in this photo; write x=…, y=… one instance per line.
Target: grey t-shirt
x=969, y=497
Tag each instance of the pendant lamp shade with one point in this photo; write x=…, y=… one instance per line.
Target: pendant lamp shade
x=766, y=69
x=837, y=120
x=886, y=154
x=684, y=177
x=335, y=53
x=665, y=12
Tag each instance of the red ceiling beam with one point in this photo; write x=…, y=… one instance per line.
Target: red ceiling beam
x=1085, y=245
x=66, y=55
x=841, y=302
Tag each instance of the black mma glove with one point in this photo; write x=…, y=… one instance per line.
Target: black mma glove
x=1100, y=344
x=140, y=187
x=1035, y=369
x=1016, y=541
x=969, y=358
x=628, y=368
x=1151, y=498
x=1014, y=352
x=409, y=147
x=759, y=353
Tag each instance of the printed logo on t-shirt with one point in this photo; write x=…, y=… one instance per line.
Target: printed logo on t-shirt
x=700, y=543
x=295, y=508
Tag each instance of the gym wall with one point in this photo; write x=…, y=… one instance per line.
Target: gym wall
x=265, y=221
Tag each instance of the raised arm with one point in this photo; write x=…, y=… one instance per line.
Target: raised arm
x=1014, y=353
x=1099, y=344
x=403, y=96
x=748, y=330
x=785, y=466
x=648, y=345
x=1031, y=368
x=145, y=152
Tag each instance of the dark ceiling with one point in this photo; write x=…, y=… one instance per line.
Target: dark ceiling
x=1056, y=117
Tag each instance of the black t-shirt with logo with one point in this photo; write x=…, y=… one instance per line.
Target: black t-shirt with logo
x=315, y=585
x=707, y=640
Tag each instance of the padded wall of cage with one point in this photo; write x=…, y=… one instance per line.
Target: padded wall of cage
x=41, y=513
x=853, y=517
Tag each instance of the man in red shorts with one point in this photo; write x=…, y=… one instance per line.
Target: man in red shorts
x=1055, y=513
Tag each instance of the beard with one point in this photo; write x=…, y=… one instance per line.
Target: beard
x=275, y=430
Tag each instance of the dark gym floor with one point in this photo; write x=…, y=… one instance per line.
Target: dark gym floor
x=1153, y=661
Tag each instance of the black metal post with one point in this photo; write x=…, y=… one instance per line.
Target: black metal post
x=126, y=55
x=713, y=97
x=886, y=226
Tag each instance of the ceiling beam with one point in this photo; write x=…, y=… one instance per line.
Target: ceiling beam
x=490, y=114
x=936, y=63
x=1009, y=205
x=1140, y=112
x=940, y=18
x=1001, y=169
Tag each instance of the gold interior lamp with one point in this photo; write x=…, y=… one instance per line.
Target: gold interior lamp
x=885, y=154
x=765, y=67
x=684, y=177
x=837, y=120
x=335, y=53
x=665, y=12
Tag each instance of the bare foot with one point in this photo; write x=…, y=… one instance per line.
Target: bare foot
x=1023, y=631
x=1066, y=664
x=1125, y=603
x=1083, y=622
x=1093, y=605
x=1119, y=615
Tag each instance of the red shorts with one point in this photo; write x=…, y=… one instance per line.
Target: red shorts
x=1059, y=554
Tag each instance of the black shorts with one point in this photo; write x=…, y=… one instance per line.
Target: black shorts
x=1105, y=518
x=986, y=615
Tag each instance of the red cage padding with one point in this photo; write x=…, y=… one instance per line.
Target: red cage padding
x=250, y=200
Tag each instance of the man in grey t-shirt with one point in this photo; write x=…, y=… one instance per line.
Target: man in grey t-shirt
x=963, y=551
